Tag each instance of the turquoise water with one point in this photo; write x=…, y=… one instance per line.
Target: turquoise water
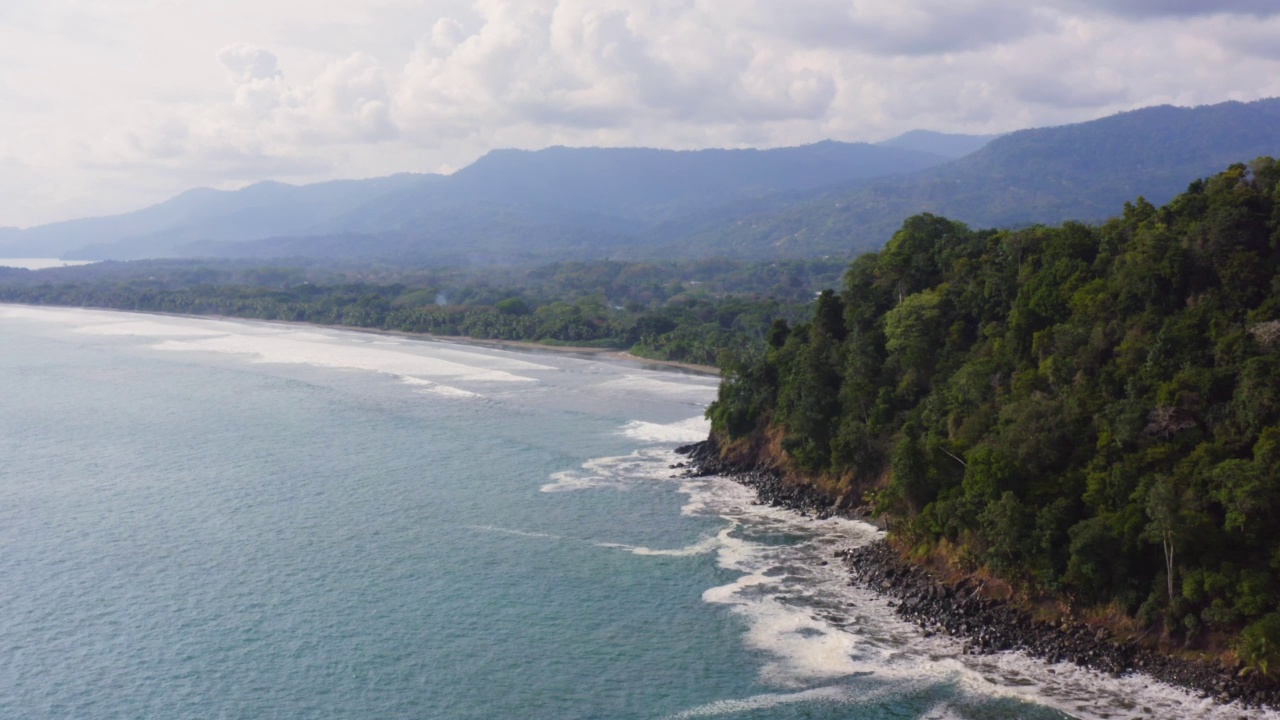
x=208, y=519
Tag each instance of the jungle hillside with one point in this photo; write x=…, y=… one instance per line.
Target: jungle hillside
x=1091, y=413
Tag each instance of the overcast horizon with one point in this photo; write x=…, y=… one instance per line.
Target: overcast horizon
x=112, y=105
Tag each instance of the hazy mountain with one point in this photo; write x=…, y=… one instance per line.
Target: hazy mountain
x=949, y=145
x=651, y=184
x=554, y=203
x=1047, y=175
x=829, y=198
x=260, y=210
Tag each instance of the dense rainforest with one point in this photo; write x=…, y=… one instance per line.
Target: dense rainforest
x=689, y=311
x=1089, y=412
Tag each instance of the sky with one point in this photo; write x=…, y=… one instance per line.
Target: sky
x=111, y=105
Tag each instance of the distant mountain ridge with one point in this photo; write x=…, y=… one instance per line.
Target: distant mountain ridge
x=548, y=203
x=636, y=183
x=1039, y=176
x=260, y=210
x=826, y=199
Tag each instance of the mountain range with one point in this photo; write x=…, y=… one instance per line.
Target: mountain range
x=1045, y=176
x=508, y=204
x=829, y=198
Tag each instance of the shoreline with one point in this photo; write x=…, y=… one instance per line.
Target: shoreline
x=975, y=614
x=610, y=353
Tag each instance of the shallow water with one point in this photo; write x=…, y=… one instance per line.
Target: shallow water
x=205, y=519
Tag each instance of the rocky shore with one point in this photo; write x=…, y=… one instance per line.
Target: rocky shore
x=770, y=485
x=965, y=609
x=988, y=625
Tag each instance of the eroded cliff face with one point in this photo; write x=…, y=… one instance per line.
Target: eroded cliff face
x=759, y=461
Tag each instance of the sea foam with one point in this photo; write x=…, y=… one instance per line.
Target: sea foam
x=517, y=533
x=618, y=473
x=419, y=362
x=693, y=389
x=285, y=349
x=815, y=628
x=150, y=328
x=685, y=431
x=770, y=700
x=431, y=388
x=702, y=547
x=802, y=613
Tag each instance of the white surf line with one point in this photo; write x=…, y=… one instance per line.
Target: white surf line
x=832, y=694
x=426, y=387
x=617, y=472
x=496, y=357
x=519, y=533
x=641, y=467
x=284, y=342
x=283, y=349
x=151, y=327
x=702, y=547
x=791, y=616
x=685, y=431
x=575, y=480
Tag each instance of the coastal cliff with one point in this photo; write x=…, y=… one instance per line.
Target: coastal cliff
x=980, y=610
x=1087, y=417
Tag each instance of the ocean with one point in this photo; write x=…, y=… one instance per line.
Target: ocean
x=220, y=519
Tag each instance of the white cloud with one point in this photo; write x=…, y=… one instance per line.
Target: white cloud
x=920, y=27
x=109, y=105
x=246, y=63
x=598, y=66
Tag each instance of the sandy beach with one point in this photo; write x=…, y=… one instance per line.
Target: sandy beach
x=609, y=353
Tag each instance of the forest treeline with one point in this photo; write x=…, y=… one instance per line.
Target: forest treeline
x=689, y=311
x=1092, y=413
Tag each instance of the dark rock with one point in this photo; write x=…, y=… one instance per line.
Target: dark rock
x=989, y=626
x=986, y=625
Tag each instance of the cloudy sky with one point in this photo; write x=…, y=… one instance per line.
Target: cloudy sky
x=109, y=105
